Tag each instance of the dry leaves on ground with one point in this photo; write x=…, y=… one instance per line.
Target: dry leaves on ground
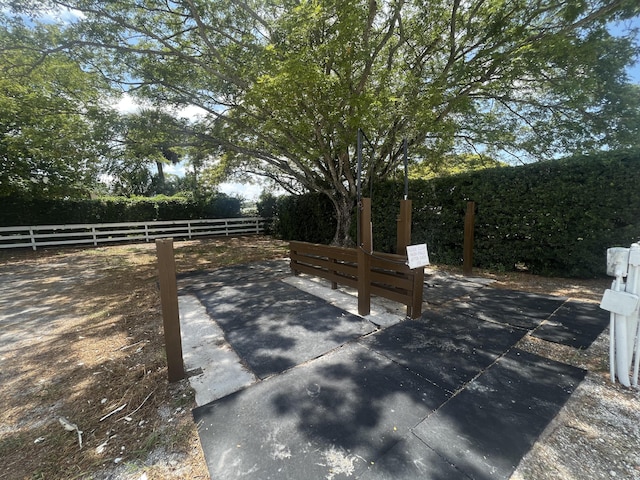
x=81, y=340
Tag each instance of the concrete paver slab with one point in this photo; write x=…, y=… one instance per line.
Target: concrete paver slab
x=274, y=326
x=488, y=427
x=447, y=348
x=235, y=275
x=329, y=418
x=576, y=324
x=440, y=289
x=378, y=316
x=435, y=398
x=520, y=309
x=204, y=348
x=411, y=459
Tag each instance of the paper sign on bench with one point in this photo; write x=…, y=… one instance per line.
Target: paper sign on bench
x=417, y=255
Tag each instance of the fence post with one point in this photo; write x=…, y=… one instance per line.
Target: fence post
x=469, y=221
x=364, y=258
x=33, y=238
x=415, y=309
x=170, y=312
x=404, y=227
x=333, y=273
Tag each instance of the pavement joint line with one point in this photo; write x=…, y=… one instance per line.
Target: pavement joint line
x=417, y=374
x=537, y=327
x=426, y=445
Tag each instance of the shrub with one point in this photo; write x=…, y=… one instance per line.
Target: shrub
x=552, y=218
x=309, y=218
x=33, y=211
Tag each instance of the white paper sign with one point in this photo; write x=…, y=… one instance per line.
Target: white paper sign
x=417, y=255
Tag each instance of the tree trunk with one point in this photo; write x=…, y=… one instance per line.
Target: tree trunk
x=344, y=213
x=160, y=174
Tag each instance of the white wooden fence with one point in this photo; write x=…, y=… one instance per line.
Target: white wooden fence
x=79, y=234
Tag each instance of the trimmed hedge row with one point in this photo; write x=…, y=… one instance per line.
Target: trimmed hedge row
x=309, y=217
x=33, y=211
x=552, y=218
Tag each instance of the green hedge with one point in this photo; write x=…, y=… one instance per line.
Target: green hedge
x=30, y=211
x=552, y=218
x=309, y=217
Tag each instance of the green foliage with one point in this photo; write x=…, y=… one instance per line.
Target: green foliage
x=37, y=211
x=452, y=164
x=267, y=207
x=287, y=84
x=143, y=140
x=220, y=205
x=175, y=208
x=552, y=218
x=305, y=217
x=49, y=146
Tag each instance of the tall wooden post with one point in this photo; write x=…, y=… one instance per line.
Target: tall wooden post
x=404, y=227
x=415, y=309
x=469, y=223
x=364, y=258
x=170, y=312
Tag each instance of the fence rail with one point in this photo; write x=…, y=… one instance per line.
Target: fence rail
x=86, y=234
x=390, y=277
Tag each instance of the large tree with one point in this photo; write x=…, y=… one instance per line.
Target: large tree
x=49, y=116
x=287, y=83
x=139, y=140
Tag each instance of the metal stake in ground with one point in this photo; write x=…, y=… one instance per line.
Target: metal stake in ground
x=170, y=312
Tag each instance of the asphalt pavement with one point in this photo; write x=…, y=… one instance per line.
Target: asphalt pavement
x=292, y=384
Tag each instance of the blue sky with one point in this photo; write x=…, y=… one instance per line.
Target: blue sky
x=622, y=28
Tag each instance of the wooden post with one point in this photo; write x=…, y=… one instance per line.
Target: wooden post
x=170, y=312
x=332, y=272
x=364, y=258
x=404, y=227
x=415, y=309
x=292, y=262
x=469, y=221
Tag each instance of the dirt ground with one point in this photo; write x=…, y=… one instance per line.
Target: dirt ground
x=81, y=350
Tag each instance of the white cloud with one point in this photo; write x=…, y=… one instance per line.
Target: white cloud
x=250, y=191
x=177, y=169
x=48, y=15
x=70, y=15
x=191, y=112
x=127, y=104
